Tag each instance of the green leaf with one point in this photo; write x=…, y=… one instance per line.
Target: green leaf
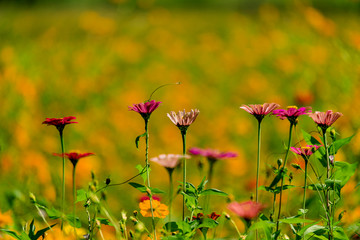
x=156, y=190
x=208, y=223
x=104, y=221
x=138, y=186
x=213, y=191
x=202, y=185
x=265, y=228
x=31, y=230
x=335, y=146
x=42, y=231
x=142, y=172
x=24, y=236
x=277, y=189
x=11, y=233
x=344, y=171
x=52, y=213
x=278, y=177
x=315, y=229
x=320, y=153
x=191, y=202
x=171, y=227
x=73, y=223
x=81, y=195
x=292, y=220
x=339, y=233
x=138, y=139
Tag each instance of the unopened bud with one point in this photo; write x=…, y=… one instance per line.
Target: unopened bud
x=107, y=181
x=148, y=191
x=32, y=198
x=296, y=166
x=135, y=213
x=134, y=220
x=332, y=159
x=279, y=162
x=333, y=133
x=227, y=216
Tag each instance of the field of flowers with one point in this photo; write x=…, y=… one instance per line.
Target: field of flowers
x=94, y=63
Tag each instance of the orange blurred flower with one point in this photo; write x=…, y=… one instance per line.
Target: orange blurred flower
x=160, y=210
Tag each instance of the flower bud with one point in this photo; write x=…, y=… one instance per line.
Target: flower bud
x=32, y=198
x=296, y=166
x=107, y=181
x=135, y=213
x=279, y=162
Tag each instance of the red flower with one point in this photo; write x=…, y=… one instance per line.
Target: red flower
x=247, y=210
x=143, y=198
x=214, y=216
x=145, y=109
x=74, y=156
x=59, y=123
x=198, y=216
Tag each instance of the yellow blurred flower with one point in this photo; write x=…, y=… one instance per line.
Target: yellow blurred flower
x=160, y=210
x=5, y=219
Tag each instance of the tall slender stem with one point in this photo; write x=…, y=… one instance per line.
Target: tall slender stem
x=305, y=187
x=74, y=198
x=63, y=177
x=170, y=193
x=183, y=135
x=258, y=163
x=328, y=177
x=210, y=175
x=148, y=174
x=282, y=179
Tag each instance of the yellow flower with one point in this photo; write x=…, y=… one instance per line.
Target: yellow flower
x=160, y=210
x=5, y=219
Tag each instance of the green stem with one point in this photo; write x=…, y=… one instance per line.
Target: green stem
x=74, y=199
x=63, y=177
x=305, y=187
x=258, y=163
x=183, y=135
x=148, y=175
x=282, y=179
x=236, y=228
x=328, y=177
x=210, y=175
x=170, y=193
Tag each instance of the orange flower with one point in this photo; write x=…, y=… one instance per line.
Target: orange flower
x=160, y=210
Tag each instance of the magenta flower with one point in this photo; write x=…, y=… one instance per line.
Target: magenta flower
x=74, y=156
x=59, y=123
x=305, y=152
x=182, y=118
x=259, y=111
x=247, y=210
x=169, y=161
x=212, y=154
x=291, y=113
x=325, y=119
x=145, y=109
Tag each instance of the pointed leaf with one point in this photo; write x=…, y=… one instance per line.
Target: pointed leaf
x=213, y=191
x=138, y=186
x=73, y=223
x=11, y=233
x=335, y=146
x=81, y=195
x=142, y=171
x=138, y=139
x=42, y=231
x=208, y=223
x=293, y=220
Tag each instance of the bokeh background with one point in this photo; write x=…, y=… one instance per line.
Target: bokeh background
x=93, y=59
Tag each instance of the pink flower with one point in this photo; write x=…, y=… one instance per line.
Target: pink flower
x=305, y=152
x=260, y=110
x=291, y=113
x=325, y=119
x=212, y=154
x=247, y=210
x=169, y=161
x=59, y=123
x=182, y=118
x=73, y=156
x=145, y=197
x=145, y=109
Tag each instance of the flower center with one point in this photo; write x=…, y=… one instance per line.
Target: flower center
x=289, y=107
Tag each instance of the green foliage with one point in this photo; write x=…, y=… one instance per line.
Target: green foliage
x=31, y=235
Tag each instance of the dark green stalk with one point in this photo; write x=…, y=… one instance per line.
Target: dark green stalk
x=305, y=186
x=148, y=174
x=210, y=175
x=74, y=199
x=63, y=177
x=258, y=163
x=282, y=179
x=328, y=177
x=183, y=135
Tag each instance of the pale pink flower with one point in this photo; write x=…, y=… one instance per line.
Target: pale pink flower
x=247, y=210
x=183, y=118
x=169, y=161
x=260, y=110
x=325, y=119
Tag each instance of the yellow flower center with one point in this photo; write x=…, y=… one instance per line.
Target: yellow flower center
x=288, y=107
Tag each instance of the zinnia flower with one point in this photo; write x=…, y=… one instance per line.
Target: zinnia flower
x=325, y=119
x=247, y=210
x=169, y=161
x=145, y=109
x=212, y=154
x=74, y=156
x=305, y=152
x=145, y=197
x=259, y=111
x=183, y=119
x=59, y=123
x=160, y=210
x=291, y=113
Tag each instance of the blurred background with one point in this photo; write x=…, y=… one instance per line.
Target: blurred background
x=92, y=59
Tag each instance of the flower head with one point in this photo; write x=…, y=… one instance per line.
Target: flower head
x=59, y=123
x=160, y=210
x=259, y=111
x=325, y=119
x=214, y=216
x=74, y=156
x=145, y=197
x=212, y=154
x=291, y=113
x=246, y=210
x=183, y=119
x=145, y=109
x=305, y=152
x=169, y=161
